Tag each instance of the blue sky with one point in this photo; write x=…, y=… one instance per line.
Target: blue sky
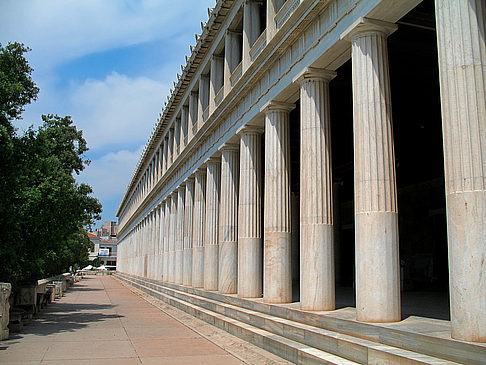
x=109, y=64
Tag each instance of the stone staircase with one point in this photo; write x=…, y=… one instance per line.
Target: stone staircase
x=318, y=337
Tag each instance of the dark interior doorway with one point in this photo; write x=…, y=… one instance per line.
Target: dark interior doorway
x=419, y=160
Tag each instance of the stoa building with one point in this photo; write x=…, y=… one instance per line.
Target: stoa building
x=323, y=161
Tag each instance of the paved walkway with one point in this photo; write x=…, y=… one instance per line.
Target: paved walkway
x=100, y=321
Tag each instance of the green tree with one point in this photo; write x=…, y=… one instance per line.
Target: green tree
x=43, y=211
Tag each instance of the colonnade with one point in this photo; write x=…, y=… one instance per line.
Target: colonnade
x=210, y=232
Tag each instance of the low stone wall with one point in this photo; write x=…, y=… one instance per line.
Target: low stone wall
x=5, y=289
x=28, y=300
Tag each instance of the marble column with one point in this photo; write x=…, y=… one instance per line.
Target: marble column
x=228, y=220
x=165, y=160
x=177, y=138
x=188, y=222
x=250, y=270
x=217, y=79
x=193, y=111
x=316, y=214
x=179, y=247
x=462, y=67
x=251, y=28
x=232, y=56
x=271, y=24
x=184, y=125
x=375, y=198
x=172, y=237
x=170, y=156
x=198, y=227
x=161, y=241
x=168, y=206
x=203, y=99
x=144, y=247
x=277, y=276
x=211, y=244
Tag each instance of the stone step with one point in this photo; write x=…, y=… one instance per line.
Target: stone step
x=352, y=348
x=407, y=335
x=289, y=349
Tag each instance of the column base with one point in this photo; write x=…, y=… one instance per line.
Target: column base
x=467, y=264
x=198, y=267
x=250, y=268
x=211, y=267
x=377, y=267
x=228, y=254
x=317, y=290
x=277, y=265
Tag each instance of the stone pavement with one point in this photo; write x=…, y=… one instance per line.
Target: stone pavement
x=101, y=321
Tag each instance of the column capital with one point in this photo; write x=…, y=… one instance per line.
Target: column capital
x=231, y=31
x=217, y=56
x=189, y=179
x=194, y=93
x=250, y=129
x=310, y=73
x=230, y=147
x=213, y=159
x=363, y=26
x=174, y=194
x=201, y=169
x=182, y=186
x=278, y=106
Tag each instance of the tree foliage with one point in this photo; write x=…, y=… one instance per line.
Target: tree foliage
x=43, y=211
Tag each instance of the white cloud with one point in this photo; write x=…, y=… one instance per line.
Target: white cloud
x=61, y=30
x=110, y=174
x=118, y=109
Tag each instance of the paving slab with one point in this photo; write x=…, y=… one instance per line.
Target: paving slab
x=101, y=321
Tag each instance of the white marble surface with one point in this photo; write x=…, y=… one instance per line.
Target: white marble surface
x=462, y=67
x=199, y=224
x=316, y=215
x=277, y=274
x=250, y=250
x=211, y=239
x=376, y=218
x=228, y=220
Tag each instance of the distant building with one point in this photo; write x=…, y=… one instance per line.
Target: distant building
x=109, y=229
x=103, y=249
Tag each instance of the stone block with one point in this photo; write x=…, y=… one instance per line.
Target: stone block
x=5, y=290
x=58, y=289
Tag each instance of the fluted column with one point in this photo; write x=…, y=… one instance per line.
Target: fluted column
x=251, y=28
x=228, y=220
x=165, y=159
x=203, y=99
x=193, y=114
x=316, y=217
x=172, y=236
x=188, y=222
x=232, y=56
x=198, y=227
x=375, y=200
x=184, y=125
x=462, y=67
x=250, y=215
x=277, y=276
x=179, y=247
x=170, y=156
x=211, y=244
x=168, y=206
x=177, y=138
x=217, y=79
x=161, y=241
